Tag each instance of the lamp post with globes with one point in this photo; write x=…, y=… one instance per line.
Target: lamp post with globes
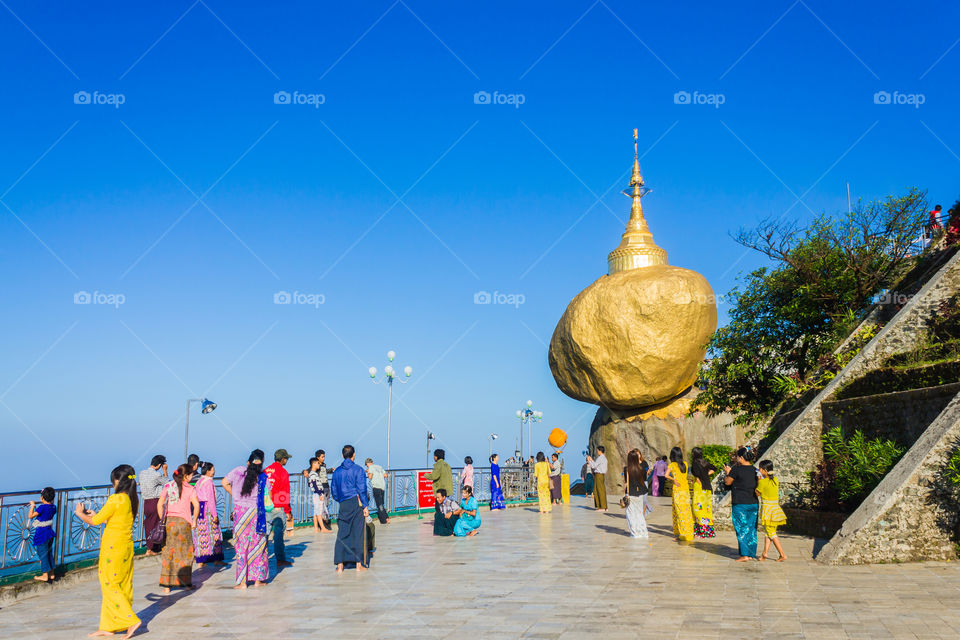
x=389, y=375
x=528, y=416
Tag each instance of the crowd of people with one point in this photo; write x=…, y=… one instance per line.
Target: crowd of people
x=755, y=495
x=182, y=523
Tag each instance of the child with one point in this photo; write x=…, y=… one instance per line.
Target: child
x=771, y=515
x=466, y=476
x=370, y=533
x=43, y=534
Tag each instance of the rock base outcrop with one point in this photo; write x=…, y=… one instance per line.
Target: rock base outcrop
x=655, y=430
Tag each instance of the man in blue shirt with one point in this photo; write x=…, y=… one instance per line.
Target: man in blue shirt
x=349, y=488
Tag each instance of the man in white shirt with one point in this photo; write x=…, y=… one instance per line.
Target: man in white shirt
x=599, y=468
x=378, y=482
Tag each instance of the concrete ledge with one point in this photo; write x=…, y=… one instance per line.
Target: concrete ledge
x=30, y=587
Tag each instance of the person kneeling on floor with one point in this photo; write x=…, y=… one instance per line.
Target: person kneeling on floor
x=447, y=515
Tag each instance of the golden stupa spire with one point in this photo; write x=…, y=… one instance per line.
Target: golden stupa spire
x=637, y=248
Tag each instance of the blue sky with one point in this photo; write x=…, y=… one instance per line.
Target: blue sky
x=152, y=155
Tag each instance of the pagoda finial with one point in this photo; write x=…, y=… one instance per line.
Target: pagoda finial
x=636, y=178
x=637, y=248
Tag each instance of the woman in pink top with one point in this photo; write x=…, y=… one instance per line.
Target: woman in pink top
x=466, y=476
x=179, y=507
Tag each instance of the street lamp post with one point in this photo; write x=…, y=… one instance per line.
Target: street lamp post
x=491, y=438
x=430, y=436
x=206, y=406
x=389, y=375
x=529, y=416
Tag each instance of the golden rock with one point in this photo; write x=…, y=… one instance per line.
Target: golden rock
x=635, y=337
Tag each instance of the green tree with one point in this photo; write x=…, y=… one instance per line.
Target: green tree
x=844, y=259
x=787, y=318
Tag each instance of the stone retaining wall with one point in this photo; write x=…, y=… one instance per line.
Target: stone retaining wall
x=814, y=524
x=901, y=416
x=914, y=512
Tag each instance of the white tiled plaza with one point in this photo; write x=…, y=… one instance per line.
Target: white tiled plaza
x=572, y=574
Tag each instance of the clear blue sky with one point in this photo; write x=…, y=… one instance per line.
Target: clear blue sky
x=398, y=199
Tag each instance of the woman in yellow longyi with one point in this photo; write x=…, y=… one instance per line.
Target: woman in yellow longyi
x=115, y=568
x=541, y=471
x=682, y=511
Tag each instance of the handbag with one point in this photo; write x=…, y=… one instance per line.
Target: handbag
x=158, y=535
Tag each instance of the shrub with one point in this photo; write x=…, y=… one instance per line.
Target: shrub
x=945, y=325
x=717, y=454
x=823, y=487
x=928, y=353
x=953, y=467
x=859, y=464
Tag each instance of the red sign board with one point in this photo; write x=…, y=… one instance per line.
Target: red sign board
x=425, y=497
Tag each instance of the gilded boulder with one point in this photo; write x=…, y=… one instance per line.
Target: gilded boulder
x=634, y=338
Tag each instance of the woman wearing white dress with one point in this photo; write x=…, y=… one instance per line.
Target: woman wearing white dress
x=635, y=476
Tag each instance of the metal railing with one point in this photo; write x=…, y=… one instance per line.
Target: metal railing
x=77, y=541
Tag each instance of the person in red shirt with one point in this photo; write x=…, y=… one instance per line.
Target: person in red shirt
x=279, y=482
x=934, y=228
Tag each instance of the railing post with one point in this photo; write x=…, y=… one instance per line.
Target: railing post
x=3, y=536
x=63, y=527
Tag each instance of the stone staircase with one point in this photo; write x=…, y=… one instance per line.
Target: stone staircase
x=798, y=451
